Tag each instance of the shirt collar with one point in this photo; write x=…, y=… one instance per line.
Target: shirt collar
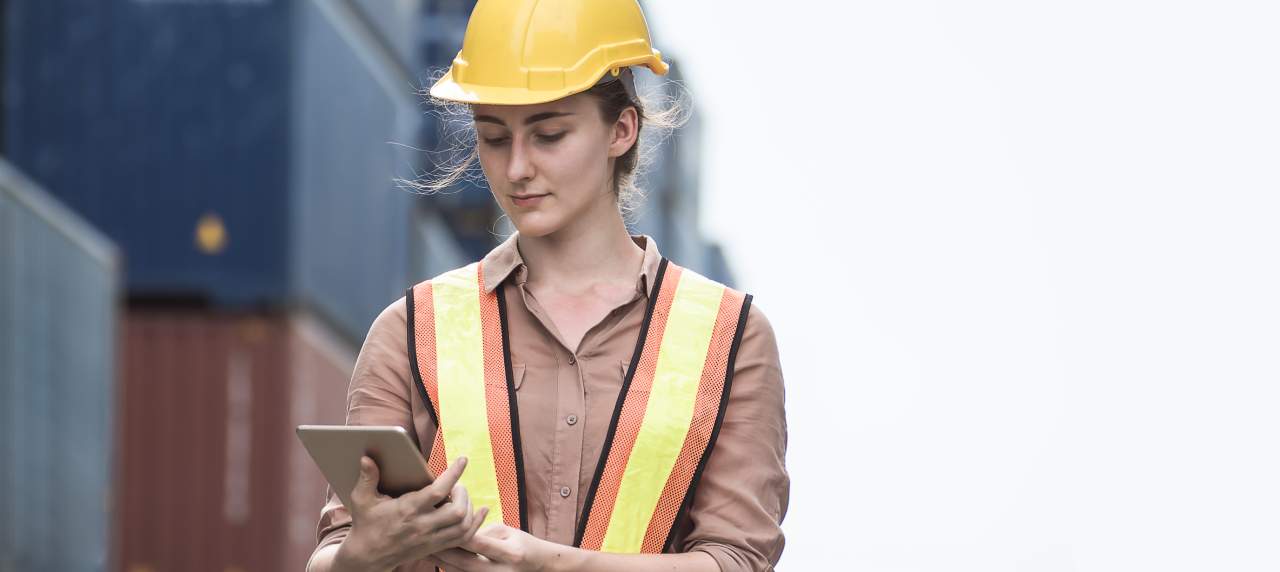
x=505, y=260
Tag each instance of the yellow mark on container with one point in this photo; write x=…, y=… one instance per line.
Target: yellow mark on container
x=211, y=234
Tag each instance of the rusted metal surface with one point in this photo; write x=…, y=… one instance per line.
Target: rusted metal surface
x=209, y=474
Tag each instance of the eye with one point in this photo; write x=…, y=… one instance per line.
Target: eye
x=495, y=141
x=551, y=137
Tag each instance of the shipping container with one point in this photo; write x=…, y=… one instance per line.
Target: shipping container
x=354, y=128
x=58, y=297
x=212, y=476
x=244, y=154
x=165, y=124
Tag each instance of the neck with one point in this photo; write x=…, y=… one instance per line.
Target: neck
x=591, y=249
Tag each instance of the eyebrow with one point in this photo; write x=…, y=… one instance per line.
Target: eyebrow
x=530, y=120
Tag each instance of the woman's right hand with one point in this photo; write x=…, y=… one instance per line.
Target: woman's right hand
x=386, y=532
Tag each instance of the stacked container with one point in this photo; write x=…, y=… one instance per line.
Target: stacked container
x=244, y=156
x=58, y=298
x=211, y=477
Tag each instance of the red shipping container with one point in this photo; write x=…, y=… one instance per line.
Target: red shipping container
x=210, y=475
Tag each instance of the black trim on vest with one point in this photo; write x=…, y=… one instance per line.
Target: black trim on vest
x=413, y=360
x=617, y=409
x=687, y=503
x=515, y=412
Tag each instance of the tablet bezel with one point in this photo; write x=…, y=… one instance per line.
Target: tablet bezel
x=336, y=450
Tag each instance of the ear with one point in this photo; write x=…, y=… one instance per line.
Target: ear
x=625, y=132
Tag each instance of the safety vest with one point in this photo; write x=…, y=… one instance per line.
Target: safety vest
x=664, y=425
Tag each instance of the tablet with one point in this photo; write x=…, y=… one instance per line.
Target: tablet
x=337, y=449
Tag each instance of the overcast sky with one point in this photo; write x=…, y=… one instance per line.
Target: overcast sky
x=1023, y=261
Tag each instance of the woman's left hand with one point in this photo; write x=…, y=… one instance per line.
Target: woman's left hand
x=499, y=548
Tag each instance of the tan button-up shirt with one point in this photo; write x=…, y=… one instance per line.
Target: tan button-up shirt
x=566, y=399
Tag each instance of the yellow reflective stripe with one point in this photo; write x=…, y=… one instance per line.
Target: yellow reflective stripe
x=681, y=357
x=460, y=385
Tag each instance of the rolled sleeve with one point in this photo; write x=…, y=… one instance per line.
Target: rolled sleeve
x=737, y=513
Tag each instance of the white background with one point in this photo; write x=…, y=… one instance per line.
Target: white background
x=1022, y=259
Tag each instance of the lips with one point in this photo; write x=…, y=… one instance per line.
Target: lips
x=528, y=200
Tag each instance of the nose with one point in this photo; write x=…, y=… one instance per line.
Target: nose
x=519, y=168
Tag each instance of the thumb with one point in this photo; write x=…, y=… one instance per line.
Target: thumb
x=366, y=488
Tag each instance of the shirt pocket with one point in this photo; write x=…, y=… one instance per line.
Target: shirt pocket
x=617, y=378
x=517, y=375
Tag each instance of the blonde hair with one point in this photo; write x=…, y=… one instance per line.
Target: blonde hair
x=659, y=113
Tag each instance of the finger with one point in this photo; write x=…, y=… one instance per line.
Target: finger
x=462, y=501
x=436, y=492
x=450, y=476
x=480, y=541
x=462, y=534
x=366, y=489
x=458, y=497
x=480, y=516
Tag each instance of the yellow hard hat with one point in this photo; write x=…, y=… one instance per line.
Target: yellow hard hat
x=519, y=52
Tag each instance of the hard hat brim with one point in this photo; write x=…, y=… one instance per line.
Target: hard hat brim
x=446, y=88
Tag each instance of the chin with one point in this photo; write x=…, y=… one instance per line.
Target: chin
x=535, y=225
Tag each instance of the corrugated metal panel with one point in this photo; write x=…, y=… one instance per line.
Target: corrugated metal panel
x=178, y=110
x=359, y=238
x=467, y=210
x=210, y=473
x=396, y=22
x=321, y=365
x=351, y=222
x=277, y=127
x=58, y=299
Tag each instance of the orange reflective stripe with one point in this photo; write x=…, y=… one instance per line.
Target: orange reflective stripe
x=639, y=491
x=629, y=414
x=504, y=426
x=708, y=414
x=477, y=408
x=422, y=350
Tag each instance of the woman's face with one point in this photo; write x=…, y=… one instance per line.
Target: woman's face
x=549, y=164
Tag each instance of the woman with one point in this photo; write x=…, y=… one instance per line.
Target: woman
x=587, y=404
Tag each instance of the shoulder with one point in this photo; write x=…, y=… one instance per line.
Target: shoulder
x=759, y=328
x=467, y=275
x=388, y=333
x=758, y=358
x=394, y=316
x=757, y=333
x=469, y=268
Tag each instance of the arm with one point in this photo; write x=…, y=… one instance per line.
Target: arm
x=736, y=514
x=380, y=393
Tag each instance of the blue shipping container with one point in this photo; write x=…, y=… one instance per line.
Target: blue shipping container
x=166, y=126
x=58, y=312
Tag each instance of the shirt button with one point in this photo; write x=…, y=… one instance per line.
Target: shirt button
x=564, y=492
x=572, y=419
x=573, y=360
